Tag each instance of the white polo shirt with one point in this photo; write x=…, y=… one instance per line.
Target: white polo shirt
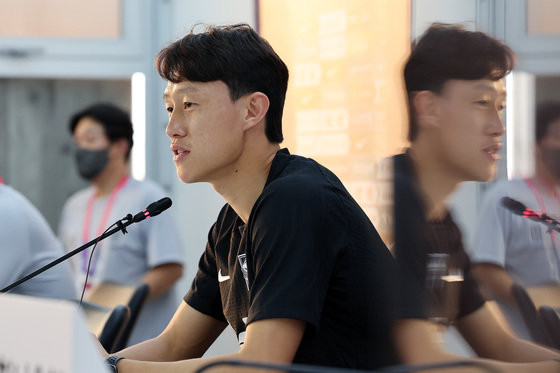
x=27, y=243
x=125, y=259
x=523, y=247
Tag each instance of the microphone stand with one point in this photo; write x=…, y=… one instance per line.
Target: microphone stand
x=551, y=223
x=121, y=226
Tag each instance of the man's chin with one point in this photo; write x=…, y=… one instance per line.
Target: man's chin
x=487, y=176
x=184, y=177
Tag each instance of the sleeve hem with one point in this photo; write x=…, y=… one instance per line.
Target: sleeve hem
x=483, y=260
x=307, y=317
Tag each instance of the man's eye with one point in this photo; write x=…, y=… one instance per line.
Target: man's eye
x=482, y=102
x=187, y=105
x=169, y=109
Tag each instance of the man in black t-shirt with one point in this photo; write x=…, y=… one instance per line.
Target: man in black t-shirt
x=292, y=263
x=307, y=252
x=438, y=283
x=454, y=81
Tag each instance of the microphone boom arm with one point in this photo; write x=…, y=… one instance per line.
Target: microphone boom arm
x=121, y=226
x=551, y=223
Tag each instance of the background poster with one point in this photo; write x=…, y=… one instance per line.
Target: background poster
x=345, y=105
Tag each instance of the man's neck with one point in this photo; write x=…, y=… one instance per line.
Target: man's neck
x=108, y=180
x=436, y=184
x=245, y=183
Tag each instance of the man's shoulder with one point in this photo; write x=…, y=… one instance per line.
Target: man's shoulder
x=137, y=194
x=506, y=186
x=79, y=197
x=227, y=218
x=513, y=188
x=302, y=176
x=13, y=204
x=146, y=186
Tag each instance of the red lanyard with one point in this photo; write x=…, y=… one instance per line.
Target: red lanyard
x=102, y=222
x=106, y=212
x=531, y=185
x=1, y=181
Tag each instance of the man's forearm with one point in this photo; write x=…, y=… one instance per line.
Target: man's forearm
x=160, y=279
x=151, y=350
x=191, y=365
x=494, y=280
x=519, y=350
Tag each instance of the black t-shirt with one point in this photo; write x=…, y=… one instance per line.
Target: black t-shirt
x=308, y=252
x=434, y=270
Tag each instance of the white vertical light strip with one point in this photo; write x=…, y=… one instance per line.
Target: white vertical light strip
x=520, y=124
x=138, y=117
x=510, y=133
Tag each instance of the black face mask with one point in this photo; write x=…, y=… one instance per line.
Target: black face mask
x=91, y=162
x=551, y=159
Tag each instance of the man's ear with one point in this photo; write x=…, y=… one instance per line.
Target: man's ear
x=425, y=104
x=121, y=147
x=257, y=107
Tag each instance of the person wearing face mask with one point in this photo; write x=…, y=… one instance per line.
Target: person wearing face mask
x=509, y=249
x=151, y=252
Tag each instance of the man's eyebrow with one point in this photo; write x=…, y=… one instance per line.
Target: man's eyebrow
x=489, y=88
x=184, y=89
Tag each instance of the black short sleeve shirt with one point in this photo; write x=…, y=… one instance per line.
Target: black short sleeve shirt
x=308, y=252
x=434, y=271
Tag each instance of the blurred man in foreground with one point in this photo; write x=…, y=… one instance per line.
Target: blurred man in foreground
x=454, y=81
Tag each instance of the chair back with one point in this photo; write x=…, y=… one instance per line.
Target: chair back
x=114, y=327
x=528, y=311
x=110, y=295
x=135, y=305
x=550, y=320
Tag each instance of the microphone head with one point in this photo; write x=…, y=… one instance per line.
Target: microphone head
x=512, y=205
x=153, y=209
x=158, y=207
x=518, y=208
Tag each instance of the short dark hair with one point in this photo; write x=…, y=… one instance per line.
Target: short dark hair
x=449, y=51
x=115, y=121
x=236, y=55
x=546, y=114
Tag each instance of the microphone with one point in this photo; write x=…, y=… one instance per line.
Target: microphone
x=518, y=208
x=153, y=209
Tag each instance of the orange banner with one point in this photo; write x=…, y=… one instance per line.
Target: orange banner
x=346, y=104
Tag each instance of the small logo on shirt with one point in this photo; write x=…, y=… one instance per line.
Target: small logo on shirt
x=222, y=278
x=243, y=262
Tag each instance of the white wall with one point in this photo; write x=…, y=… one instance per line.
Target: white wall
x=424, y=12
x=187, y=13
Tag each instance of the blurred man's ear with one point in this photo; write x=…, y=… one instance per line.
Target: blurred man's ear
x=120, y=146
x=425, y=104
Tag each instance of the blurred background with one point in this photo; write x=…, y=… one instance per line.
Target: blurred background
x=345, y=105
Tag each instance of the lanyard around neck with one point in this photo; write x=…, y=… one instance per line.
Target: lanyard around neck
x=104, y=217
